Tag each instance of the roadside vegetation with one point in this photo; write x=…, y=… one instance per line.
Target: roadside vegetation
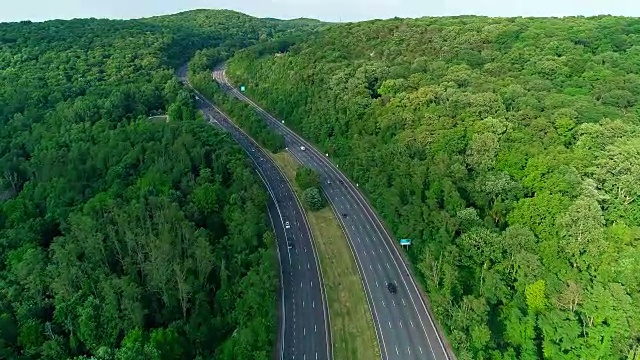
x=507, y=149
x=309, y=182
x=123, y=237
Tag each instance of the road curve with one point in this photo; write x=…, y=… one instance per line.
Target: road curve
x=404, y=326
x=304, y=317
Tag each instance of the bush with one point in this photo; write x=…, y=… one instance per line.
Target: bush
x=307, y=178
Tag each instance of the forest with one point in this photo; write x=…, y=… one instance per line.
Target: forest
x=124, y=233
x=508, y=149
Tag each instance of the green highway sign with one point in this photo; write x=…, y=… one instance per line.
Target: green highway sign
x=405, y=242
x=242, y=88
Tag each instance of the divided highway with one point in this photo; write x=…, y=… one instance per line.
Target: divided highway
x=304, y=317
x=404, y=326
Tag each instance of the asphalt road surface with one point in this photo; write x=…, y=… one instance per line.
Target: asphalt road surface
x=404, y=326
x=304, y=317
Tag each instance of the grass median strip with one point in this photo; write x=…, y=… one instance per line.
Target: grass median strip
x=352, y=329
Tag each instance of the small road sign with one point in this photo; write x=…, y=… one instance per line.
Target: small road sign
x=406, y=242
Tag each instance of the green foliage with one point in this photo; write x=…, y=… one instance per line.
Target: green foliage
x=307, y=178
x=314, y=199
x=123, y=237
x=507, y=149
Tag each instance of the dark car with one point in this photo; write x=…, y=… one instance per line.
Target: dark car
x=392, y=287
x=344, y=215
x=341, y=182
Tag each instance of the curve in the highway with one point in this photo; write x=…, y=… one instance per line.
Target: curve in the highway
x=304, y=321
x=404, y=325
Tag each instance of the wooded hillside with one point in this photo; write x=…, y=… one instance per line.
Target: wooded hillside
x=124, y=236
x=507, y=149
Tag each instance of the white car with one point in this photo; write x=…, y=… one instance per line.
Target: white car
x=303, y=148
x=286, y=225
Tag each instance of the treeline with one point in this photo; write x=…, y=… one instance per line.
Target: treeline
x=507, y=149
x=243, y=114
x=124, y=236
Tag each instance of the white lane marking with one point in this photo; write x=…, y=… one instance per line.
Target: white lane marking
x=298, y=266
x=316, y=355
x=409, y=351
x=315, y=328
x=419, y=347
x=394, y=302
x=313, y=304
x=400, y=323
x=304, y=331
x=403, y=302
x=359, y=240
x=411, y=322
x=370, y=268
x=397, y=351
x=311, y=283
x=390, y=326
x=383, y=304
x=302, y=303
x=373, y=304
x=353, y=228
x=377, y=283
x=379, y=267
x=300, y=283
x=388, y=267
x=380, y=250
x=308, y=266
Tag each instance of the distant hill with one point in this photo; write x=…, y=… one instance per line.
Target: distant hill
x=506, y=148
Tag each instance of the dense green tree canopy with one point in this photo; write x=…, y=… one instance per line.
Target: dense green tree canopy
x=506, y=148
x=124, y=236
x=314, y=199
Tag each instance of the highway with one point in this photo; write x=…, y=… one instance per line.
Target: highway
x=304, y=317
x=404, y=326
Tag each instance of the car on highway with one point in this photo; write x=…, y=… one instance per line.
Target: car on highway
x=329, y=182
x=341, y=182
x=344, y=215
x=392, y=287
x=289, y=244
x=303, y=148
x=287, y=225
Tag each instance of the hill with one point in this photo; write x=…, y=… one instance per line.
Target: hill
x=507, y=149
x=122, y=237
